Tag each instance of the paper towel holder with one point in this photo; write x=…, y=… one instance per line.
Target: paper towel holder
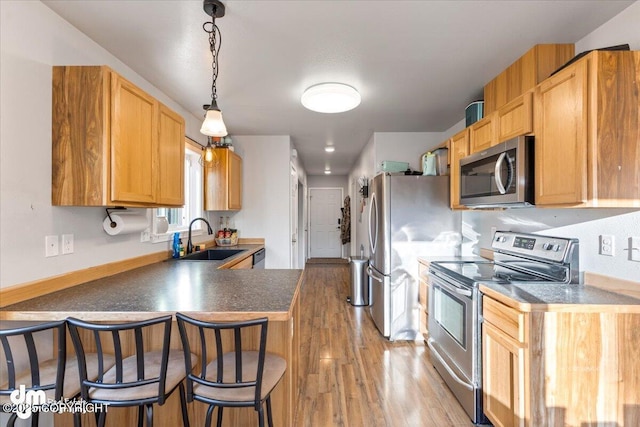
x=117, y=208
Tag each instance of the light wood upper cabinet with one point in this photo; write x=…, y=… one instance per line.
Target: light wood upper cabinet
x=223, y=182
x=458, y=149
x=482, y=134
x=525, y=73
x=112, y=143
x=587, y=129
x=170, y=185
x=515, y=118
x=134, y=143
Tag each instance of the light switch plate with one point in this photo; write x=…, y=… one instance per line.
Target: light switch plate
x=50, y=246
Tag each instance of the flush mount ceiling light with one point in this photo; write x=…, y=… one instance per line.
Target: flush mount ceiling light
x=213, y=124
x=329, y=149
x=330, y=98
x=327, y=172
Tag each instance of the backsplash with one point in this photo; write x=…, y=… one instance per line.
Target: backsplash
x=585, y=224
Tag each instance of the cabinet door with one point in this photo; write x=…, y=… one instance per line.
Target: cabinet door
x=134, y=143
x=245, y=264
x=515, y=118
x=235, y=181
x=170, y=176
x=458, y=149
x=482, y=134
x=503, y=378
x=561, y=137
x=223, y=182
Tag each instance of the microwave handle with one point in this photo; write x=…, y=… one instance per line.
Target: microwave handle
x=496, y=175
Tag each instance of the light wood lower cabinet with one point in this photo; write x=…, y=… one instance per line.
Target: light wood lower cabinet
x=223, y=182
x=245, y=264
x=423, y=299
x=578, y=366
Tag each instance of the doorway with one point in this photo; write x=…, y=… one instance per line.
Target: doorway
x=324, y=222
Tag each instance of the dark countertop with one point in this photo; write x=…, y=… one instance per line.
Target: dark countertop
x=562, y=297
x=167, y=287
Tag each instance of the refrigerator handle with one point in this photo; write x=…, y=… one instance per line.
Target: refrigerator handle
x=373, y=241
x=373, y=275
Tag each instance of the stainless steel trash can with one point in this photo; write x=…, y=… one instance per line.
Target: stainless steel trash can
x=359, y=291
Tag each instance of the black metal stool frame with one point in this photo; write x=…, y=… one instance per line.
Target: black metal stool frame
x=27, y=333
x=115, y=329
x=217, y=327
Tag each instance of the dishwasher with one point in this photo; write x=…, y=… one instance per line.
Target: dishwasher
x=258, y=259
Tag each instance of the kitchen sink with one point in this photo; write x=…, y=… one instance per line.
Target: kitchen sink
x=212, y=255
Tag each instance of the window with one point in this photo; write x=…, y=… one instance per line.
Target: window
x=179, y=218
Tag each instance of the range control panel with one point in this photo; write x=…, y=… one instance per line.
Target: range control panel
x=556, y=249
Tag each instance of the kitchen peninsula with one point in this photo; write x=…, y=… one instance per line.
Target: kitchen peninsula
x=200, y=290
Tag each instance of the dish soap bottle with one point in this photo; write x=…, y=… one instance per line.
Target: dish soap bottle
x=176, y=245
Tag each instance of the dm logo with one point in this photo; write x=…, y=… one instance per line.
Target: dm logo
x=27, y=401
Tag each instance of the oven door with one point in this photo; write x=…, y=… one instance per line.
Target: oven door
x=451, y=327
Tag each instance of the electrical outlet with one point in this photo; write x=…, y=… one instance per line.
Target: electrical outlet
x=145, y=236
x=607, y=245
x=67, y=244
x=634, y=248
x=50, y=246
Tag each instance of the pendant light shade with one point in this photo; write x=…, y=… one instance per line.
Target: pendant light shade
x=213, y=124
x=330, y=98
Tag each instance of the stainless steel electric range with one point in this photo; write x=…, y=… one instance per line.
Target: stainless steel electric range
x=455, y=304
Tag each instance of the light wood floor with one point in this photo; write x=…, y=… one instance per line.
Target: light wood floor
x=351, y=376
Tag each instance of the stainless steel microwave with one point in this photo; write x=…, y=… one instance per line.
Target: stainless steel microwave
x=501, y=176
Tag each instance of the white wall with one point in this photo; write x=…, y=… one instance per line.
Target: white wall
x=265, y=194
x=32, y=39
x=364, y=167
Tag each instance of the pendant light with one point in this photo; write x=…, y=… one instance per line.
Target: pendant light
x=213, y=124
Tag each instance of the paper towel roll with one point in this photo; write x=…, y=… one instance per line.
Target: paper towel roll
x=125, y=224
x=162, y=225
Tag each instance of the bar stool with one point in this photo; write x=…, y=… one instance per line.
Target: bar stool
x=235, y=377
x=148, y=376
x=56, y=376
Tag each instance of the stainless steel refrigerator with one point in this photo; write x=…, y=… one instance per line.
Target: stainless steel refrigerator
x=409, y=217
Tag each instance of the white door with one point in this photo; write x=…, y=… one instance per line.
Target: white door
x=325, y=217
x=293, y=221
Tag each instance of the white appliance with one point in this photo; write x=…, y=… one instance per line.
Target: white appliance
x=409, y=217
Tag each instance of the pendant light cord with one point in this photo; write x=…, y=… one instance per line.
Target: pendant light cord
x=215, y=43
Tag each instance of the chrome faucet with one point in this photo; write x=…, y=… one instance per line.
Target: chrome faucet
x=189, y=244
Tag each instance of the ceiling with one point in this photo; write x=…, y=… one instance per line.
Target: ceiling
x=417, y=64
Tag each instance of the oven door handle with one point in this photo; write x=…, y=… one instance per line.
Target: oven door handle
x=451, y=287
x=455, y=376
